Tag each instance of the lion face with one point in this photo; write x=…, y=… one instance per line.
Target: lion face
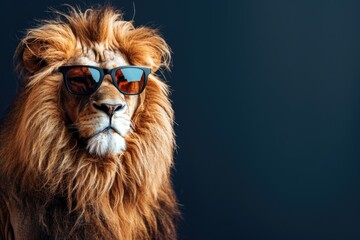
x=100, y=121
x=103, y=119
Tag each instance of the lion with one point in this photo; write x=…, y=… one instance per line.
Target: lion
x=87, y=145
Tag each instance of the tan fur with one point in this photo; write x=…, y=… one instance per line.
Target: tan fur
x=48, y=176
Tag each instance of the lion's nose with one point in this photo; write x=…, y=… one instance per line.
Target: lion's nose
x=109, y=109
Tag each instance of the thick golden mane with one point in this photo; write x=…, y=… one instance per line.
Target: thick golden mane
x=124, y=197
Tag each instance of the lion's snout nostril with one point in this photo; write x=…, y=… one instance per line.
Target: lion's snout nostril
x=109, y=109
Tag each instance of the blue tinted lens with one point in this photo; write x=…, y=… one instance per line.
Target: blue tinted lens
x=82, y=80
x=130, y=80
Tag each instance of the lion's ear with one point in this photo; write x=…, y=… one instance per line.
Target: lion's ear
x=145, y=46
x=29, y=56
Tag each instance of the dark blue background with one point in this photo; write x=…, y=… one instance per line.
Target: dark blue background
x=267, y=101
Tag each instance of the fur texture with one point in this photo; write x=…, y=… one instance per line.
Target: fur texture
x=46, y=171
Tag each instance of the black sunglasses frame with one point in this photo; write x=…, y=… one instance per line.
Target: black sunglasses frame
x=103, y=72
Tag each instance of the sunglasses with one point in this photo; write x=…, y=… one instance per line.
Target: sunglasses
x=85, y=80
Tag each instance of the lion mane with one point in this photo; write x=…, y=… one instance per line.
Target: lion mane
x=51, y=187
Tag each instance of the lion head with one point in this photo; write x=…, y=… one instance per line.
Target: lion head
x=92, y=163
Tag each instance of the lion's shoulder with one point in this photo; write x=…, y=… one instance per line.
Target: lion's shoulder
x=15, y=220
x=6, y=230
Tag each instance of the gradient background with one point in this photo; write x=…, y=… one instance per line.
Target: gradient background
x=267, y=102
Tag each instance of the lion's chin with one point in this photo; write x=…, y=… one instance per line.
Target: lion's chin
x=107, y=142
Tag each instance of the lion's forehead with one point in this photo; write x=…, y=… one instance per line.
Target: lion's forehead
x=99, y=55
